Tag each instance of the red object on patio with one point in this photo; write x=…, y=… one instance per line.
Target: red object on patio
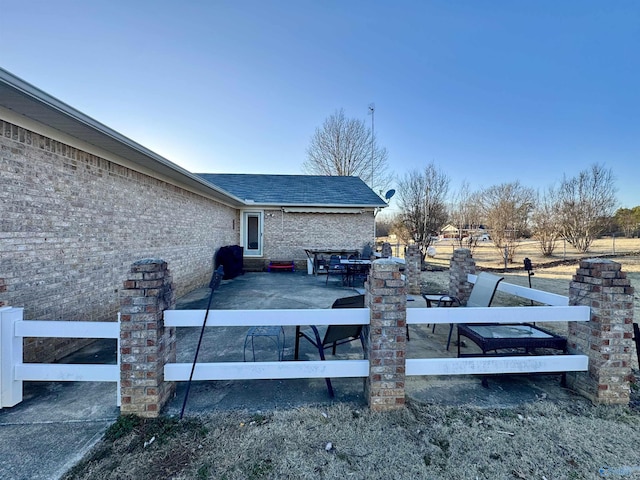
x=281, y=265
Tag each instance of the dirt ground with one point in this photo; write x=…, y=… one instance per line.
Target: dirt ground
x=540, y=440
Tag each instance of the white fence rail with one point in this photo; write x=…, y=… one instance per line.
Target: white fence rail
x=267, y=370
x=13, y=371
x=252, y=318
x=556, y=311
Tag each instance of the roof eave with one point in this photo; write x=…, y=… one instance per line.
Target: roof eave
x=31, y=102
x=314, y=205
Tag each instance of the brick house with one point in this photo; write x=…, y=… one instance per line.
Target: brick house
x=284, y=214
x=80, y=202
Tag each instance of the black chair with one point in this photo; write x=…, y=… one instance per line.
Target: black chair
x=356, y=273
x=333, y=335
x=336, y=268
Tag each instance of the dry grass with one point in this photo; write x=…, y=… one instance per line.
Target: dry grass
x=550, y=274
x=487, y=256
x=541, y=440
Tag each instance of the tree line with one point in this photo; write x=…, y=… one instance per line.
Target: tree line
x=576, y=209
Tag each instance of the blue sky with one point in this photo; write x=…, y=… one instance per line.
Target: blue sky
x=490, y=91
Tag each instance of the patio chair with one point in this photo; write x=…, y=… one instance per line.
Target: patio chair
x=331, y=336
x=481, y=295
x=356, y=273
x=335, y=268
x=367, y=253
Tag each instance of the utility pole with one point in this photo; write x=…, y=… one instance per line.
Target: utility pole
x=372, y=109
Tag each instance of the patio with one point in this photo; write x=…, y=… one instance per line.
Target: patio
x=287, y=290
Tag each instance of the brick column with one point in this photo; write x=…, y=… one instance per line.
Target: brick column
x=387, y=340
x=607, y=338
x=461, y=265
x=386, y=250
x=413, y=261
x=145, y=345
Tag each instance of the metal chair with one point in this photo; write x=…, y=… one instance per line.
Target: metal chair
x=335, y=268
x=333, y=335
x=481, y=295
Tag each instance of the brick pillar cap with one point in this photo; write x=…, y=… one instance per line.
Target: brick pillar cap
x=599, y=260
x=148, y=261
x=384, y=261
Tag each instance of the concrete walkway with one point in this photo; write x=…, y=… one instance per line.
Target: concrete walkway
x=58, y=423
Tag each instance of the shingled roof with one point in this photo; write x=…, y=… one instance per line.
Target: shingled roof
x=296, y=190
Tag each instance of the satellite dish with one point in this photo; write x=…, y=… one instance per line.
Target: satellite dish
x=389, y=194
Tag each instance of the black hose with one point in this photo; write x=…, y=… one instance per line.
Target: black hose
x=213, y=284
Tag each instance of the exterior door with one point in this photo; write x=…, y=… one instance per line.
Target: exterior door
x=252, y=236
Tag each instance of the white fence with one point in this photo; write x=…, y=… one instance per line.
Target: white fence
x=266, y=370
x=13, y=371
x=557, y=310
x=13, y=329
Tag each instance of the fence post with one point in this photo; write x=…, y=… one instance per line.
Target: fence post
x=10, y=356
x=387, y=340
x=607, y=338
x=145, y=344
x=413, y=261
x=461, y=265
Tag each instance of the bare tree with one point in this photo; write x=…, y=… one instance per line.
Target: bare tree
x=346, y=147
x=384, y=225
x=466, y=215
x=586, y=205
x=506, y=208
x=400, y=229
x=545, y=221
x=422, y=203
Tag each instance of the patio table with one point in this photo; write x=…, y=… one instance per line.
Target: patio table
x=355, y=268
x=316, y=256
x=518, y=337
x=494, y=337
